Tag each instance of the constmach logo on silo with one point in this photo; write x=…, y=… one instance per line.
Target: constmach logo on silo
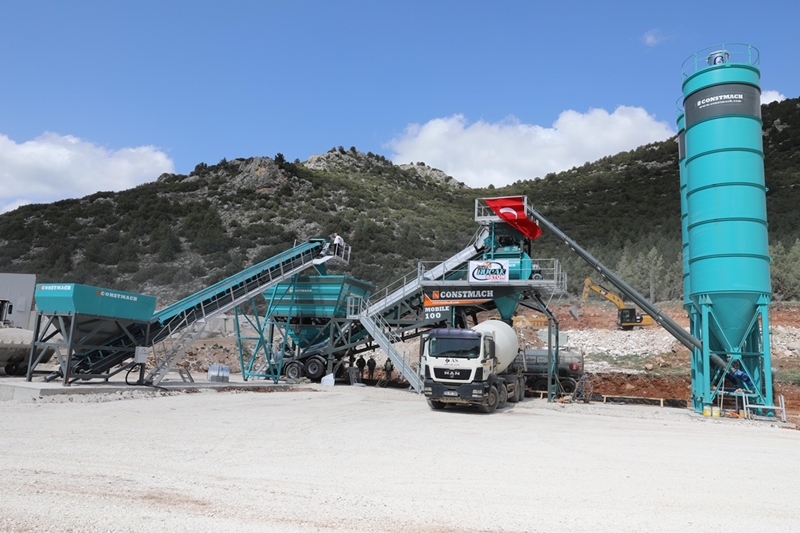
x=736, y=98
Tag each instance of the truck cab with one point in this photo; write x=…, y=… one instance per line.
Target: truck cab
x=461, y=367
x=456, y=362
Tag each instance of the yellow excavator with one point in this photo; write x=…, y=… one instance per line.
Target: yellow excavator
x=627, y=317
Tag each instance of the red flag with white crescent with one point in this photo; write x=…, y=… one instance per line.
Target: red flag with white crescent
x=512, y=210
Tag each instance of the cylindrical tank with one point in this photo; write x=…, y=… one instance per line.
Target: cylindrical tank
x=726, y=200
x=506, y=344
x=687, y=300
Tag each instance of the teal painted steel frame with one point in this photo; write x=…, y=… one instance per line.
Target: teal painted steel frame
x=264, y=349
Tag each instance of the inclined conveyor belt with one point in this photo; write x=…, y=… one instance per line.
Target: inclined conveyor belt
x=203, y=305
x=227, y=294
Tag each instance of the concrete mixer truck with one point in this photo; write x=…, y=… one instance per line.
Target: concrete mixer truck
x=471, y=366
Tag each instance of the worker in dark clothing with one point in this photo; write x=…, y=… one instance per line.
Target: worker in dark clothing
x=388, y=367
x=360, y=363
x=371, y=367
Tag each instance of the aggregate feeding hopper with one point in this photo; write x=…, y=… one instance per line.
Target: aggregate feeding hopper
x=88, y=320
x=308, y=303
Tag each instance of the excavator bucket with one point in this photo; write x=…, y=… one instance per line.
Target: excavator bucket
x=573, y=312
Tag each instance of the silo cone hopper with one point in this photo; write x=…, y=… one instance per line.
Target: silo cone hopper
x=728, y=281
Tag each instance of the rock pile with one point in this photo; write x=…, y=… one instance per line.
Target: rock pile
x=617, y=342
x=784, y=340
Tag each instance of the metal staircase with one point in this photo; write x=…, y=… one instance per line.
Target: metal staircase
x=171, y=350
x=371, y=314
x=382, y=333
x=413, y=286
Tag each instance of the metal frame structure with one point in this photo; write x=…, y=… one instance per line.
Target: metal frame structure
x=107, y=343
x=80, y=353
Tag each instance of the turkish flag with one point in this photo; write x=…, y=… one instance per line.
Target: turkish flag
x=512, y=210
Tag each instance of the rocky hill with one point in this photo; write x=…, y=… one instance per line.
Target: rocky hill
x=182, y=232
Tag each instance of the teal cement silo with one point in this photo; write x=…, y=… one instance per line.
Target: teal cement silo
x=728, y=256
x=687, y=300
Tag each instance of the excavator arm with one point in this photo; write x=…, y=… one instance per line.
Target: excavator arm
x=602, y=291
x=589, y=286
x=627, y=318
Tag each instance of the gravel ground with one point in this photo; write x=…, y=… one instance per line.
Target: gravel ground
x=365, y=459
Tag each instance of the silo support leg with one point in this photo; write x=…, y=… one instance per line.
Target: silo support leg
x=767, y=367
x=705, y=378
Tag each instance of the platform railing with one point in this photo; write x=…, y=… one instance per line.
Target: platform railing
x=411, y=284
x=547, y=273
x=724, y=53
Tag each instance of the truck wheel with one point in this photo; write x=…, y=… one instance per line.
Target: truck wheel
x=514, y=397
x=568, y=384
x=519, y=391
x=293, y=371
x=522, y=383
x=491, y=401
x=502, y=395
x=436, y=405
x=315, y=367
x=11, y=369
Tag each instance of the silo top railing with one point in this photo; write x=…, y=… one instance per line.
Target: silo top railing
x=720, y=54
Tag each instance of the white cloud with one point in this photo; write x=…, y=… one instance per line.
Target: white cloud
x=504, y=152
x=767, y=97
x=653, y=37
x=53, y=167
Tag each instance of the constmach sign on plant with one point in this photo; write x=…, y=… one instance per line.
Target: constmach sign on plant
x=447, y=296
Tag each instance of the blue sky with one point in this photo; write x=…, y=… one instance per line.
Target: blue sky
x=105, y=95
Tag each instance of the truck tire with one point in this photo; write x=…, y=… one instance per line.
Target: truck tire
x=491, y=401
x=514, y=397
x=502, y=395
x=519, y=391
x=435, y=405
x=293, y=370
x=11, y=369
x=315, y=367
x=522, y=383
x=540, y=384
x=568, y=384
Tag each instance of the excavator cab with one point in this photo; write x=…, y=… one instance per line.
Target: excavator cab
x=628, y=318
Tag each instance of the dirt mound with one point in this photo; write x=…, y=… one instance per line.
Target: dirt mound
x=642, y=385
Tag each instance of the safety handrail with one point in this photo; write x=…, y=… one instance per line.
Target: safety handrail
x=740, y=53
x=233, y=287
x=542, y=269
